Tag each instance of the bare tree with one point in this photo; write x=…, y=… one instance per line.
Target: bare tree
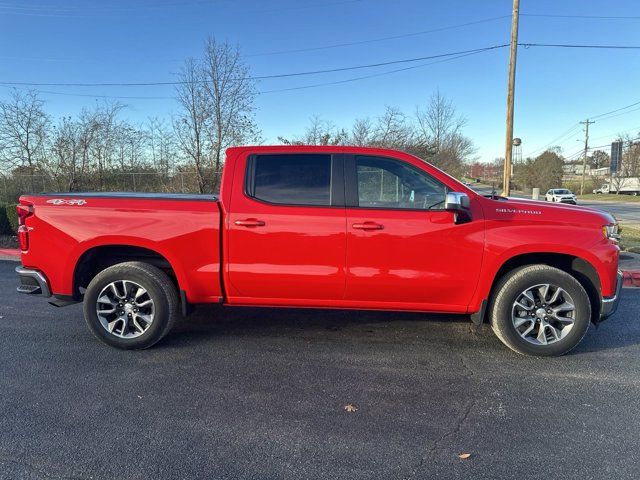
x=631, y=156
x=103, y=145
x=88, y=126
x=393, y=129
x=229, y=95
x=191, y=123
x=599, y=159
x=439, y=134
x=66, y=151
x=362, y=132
x=161, y=146
x=23, y=131
x=319, y=132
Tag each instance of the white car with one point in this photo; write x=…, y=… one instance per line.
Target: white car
x=561, y=195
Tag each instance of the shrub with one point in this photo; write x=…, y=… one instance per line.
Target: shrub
x=12, y=216
x=5, y=226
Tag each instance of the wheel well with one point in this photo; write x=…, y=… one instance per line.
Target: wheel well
x=579, y=268
x=96, y=259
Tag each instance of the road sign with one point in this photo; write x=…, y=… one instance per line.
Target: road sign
x=616, y=157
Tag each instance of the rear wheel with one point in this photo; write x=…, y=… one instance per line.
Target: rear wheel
x=131, y=305
x=540, y=310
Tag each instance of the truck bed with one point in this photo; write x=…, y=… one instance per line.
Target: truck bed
x=181, y=229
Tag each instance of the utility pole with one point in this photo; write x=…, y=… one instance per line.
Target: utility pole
x=511, y=85
x=586, y=123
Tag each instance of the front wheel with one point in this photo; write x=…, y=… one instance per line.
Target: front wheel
x=540, y=310
x=131, y=305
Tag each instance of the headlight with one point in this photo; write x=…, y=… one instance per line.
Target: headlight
x=611, y=232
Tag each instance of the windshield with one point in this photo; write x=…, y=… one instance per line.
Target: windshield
x=563, y=192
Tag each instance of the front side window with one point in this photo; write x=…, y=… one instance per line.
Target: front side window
x=292, y=179
x=387, y=183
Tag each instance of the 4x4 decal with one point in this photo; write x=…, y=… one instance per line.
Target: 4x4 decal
x=65, y=201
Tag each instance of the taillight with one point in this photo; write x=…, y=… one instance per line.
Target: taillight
x=23, y=237
x=24, y=211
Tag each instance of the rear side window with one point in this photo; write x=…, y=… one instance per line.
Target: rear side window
x=291, y=179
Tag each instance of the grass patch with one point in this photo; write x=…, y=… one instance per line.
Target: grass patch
x=609, y=197
x=630, y=238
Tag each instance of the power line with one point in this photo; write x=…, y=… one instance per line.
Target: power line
x=570, y=45
x=574, y=155
x=619, y=114
x=608, y=144
x=617, y=134
x=349, y=80
x=380, y=39
x=316, y=72
x=64, y=12
x=338, y=82
x=617, y=110
x=610, y=17
x=572, y=131
x=258, y=77
x=118, y=97
x=600, y=117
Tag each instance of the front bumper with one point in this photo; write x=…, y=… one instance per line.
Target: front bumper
x=569, y=200
x=609, y=305
x=32, y=282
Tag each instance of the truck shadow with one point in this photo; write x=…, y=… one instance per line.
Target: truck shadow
x=208, y=324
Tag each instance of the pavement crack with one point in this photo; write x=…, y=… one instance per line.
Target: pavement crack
x=456, y=428
x=458, y=424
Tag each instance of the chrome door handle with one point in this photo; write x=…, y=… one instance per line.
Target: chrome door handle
x=368, y=226
x=250, y=222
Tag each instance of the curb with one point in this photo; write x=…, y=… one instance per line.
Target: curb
x=631, y=278
x=9, y=254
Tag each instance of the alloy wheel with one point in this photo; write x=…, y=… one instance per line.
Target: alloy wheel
x=543, y=314
x=125, y=309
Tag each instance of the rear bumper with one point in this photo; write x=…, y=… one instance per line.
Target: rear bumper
x=609, y=305
x=32, y=282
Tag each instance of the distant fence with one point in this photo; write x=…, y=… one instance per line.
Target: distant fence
x=12, y=186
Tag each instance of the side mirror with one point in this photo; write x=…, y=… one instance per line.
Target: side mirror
x=457, y=202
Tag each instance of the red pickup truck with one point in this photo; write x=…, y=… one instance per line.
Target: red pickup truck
x=323, y=227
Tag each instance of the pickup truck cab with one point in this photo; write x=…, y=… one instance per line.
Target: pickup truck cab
x=323, y=227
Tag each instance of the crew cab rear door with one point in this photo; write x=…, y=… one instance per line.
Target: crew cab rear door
x=286, y=229
x=403, y=249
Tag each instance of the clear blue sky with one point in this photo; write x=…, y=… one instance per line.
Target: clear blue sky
x=145, y=40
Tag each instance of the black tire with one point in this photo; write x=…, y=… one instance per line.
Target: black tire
x=160, y=289
x=511, y=285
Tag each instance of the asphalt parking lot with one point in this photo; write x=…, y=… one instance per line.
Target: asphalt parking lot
x=260, y=394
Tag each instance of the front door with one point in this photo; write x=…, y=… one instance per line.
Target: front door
x=286, y=229
x=403, y=249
